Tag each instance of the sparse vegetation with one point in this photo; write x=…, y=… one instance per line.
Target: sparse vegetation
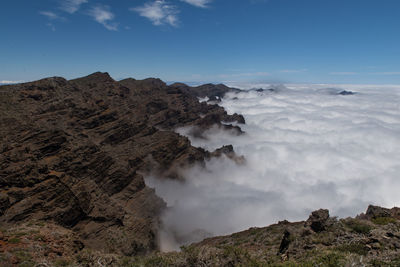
x=61, y=263
x=358, y=226
x=346, y=242
x=330, y=260
x=356, y=248
x=14, y=240
x=384, y=220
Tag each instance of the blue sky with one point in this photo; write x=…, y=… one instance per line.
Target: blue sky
x=288, y=41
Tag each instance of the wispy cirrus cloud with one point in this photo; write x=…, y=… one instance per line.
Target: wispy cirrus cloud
x=293, y=71
x=51, y=15
x=343, y=73
x=245, y=74
x=9, y=82
x=104, y=16
x=71, y=6
x=388, y=73
x=197, y=3
x=159, y=12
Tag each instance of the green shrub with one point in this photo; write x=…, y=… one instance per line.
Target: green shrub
x=356, y=248
x=330, y=260
x=23, y=257
x=358, y=226
x=383, y=220
x=14, y=240
x=19, y=234
x=61, y=263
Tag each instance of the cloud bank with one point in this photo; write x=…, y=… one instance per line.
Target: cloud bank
x=305, y=149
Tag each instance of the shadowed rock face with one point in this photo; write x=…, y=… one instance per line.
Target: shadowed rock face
x=212, y=91
x=318, y=220
x=73, y=152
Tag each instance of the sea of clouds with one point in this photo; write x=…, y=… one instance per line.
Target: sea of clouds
x=306, y=147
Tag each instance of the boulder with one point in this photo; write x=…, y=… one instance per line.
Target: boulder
x=318, y=220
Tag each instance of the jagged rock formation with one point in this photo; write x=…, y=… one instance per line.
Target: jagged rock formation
x=73, y=152
x=344, y=92
x=212, y=91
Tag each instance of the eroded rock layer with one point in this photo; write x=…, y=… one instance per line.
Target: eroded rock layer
x=73, y=152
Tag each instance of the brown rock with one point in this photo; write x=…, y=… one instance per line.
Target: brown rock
x=318, y=220
x=72, y=152
x=376, y=211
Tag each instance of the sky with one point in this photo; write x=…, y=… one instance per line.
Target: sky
x=276, y=41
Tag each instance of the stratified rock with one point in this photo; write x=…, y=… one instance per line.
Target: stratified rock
x=73, y=152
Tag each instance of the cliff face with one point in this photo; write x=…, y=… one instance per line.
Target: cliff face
x=73, y=152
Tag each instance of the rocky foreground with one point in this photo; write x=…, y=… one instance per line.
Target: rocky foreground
x=72, y=158
x=370, y=239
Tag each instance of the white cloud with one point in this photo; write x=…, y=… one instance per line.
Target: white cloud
x=293, y=71
x=71, y=6
x=51, y=26
x=305, y=149
x=104, y=16
x=50, y=15
x=198, y=3
x=388, y=73
x=245, y=74
x=9, y=82
x=159, y=12
x=343, y=73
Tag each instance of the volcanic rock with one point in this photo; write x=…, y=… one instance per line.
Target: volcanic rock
x=344, y=92
x=74, y=153
x=376, y=212
x=284, y=246
x=212, y=91
x=318, y=220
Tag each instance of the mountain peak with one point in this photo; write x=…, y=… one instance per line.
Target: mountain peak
x=97, y=77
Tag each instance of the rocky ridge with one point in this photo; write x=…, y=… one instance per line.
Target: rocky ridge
x=73, y=152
